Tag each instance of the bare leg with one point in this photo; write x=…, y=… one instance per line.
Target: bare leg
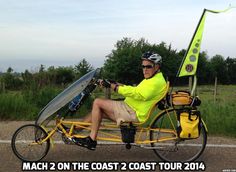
x=88, y=119
x=102, y=108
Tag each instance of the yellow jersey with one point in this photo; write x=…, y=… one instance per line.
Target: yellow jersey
x=141, y=97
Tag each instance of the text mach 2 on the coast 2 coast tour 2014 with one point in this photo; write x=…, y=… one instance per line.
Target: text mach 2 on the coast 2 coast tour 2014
x=113, y=166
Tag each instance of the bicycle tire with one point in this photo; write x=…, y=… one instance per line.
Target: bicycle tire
x=179, y=150
x=25, y=144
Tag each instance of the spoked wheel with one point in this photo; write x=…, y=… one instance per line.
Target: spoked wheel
x=171, y=148
x=26, y=143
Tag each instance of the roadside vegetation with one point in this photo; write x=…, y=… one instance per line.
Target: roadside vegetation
x=220, y=116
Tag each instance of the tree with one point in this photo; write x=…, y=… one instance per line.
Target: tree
x=8, y=78
x=51, y=72
x=219, y=68
x=231, y=69
x=9, y=70
x=27, y=78
x=11, y=80
x=41, y=77
x=124, y=63
x=203, y=70
x=42, y=68
x=64, y=75
x=170, y=61
x=82, y=68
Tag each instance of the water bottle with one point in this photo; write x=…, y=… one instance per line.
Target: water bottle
x=75, y=102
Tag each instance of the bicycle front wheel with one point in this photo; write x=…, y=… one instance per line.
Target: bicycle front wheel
x=26, y=143
x=168, y=146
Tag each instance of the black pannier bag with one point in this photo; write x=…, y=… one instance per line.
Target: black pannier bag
x=128, y=133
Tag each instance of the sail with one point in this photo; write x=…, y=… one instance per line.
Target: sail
x=189, y=64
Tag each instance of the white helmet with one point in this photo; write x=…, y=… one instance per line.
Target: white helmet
x=155, y=58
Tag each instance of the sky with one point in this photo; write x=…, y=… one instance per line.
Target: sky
x=63, y=32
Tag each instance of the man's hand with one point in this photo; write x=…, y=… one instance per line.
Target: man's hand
x=106, y=83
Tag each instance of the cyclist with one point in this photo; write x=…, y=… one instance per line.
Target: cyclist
x=138, y=100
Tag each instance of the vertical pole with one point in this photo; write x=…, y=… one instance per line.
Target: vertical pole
x=190, y=83
x=194, y=86
x=215, y=89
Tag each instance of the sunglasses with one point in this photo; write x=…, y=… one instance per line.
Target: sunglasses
x=147, y=66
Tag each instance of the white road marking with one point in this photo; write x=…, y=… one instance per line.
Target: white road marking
x=114, y=143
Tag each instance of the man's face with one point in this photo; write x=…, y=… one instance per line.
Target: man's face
x=149, y=68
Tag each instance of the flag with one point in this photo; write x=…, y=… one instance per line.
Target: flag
x=189, y=64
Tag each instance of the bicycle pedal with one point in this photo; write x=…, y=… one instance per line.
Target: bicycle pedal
x=60, y=131
x=67, y=140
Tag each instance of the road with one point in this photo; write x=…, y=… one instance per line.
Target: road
x=219, y=155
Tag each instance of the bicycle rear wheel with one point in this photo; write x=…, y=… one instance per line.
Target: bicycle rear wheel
x=171, y=148
x=26, y=143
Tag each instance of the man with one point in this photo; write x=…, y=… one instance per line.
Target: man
x=138, y=100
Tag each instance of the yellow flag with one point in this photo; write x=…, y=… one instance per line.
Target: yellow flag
x=190, y=60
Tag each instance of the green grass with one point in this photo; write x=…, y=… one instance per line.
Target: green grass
x=13, y=106
x=219, y=115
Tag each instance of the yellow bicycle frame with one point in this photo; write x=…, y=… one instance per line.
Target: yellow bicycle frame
x=110, y=131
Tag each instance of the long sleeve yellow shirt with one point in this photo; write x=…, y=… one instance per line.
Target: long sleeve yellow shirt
x=141, y=97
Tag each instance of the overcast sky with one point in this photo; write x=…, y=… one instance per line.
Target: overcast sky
x=62, y=32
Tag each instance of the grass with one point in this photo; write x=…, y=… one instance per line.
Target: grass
x=220, y=116
x=13, y=106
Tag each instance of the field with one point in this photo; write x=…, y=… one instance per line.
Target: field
x=219, y=115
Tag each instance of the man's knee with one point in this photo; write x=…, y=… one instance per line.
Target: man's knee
x=98, y=102
x=104, y=104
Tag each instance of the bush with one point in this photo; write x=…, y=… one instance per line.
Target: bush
x=13, y=106
x=41, y=97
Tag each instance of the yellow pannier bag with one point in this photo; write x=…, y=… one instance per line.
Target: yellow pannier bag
x=181, y=98
x=189, y=124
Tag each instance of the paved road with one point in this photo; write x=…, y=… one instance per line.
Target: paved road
x=215, y=158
